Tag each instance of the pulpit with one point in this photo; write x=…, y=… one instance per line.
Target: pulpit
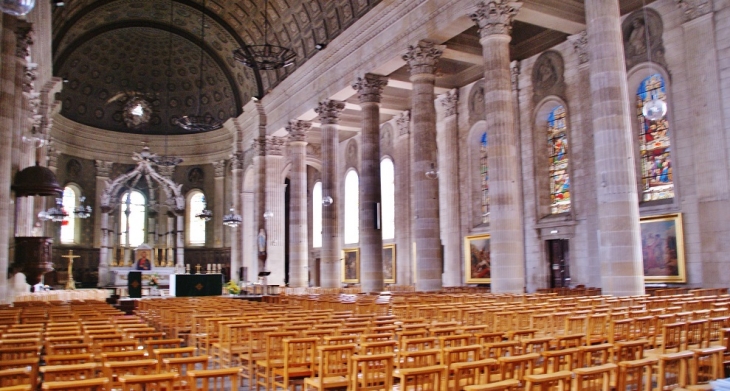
x=33, y=256
x=196, y=285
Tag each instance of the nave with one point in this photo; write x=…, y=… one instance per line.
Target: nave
x=327, y=339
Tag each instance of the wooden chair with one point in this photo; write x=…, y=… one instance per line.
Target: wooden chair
x=69, y=372
x=152, y=382
x=23, y=387
x=417, y=358
x=560, y=360
x=504, y=385
x=31, y=363
x=707, y=365
x=629, y=350
x=636, y=374
x=273, y=357
x=68, y=359
x=15, y=377
x=378, y=347
x=299, y=363
x=673, y=370
x=119, y=346
x=98, y=384
x=594, y=355
x=418, y=344
x=517, y=367
x=255, y=350
x=559, y=381
x=116, y=369
x=451, y=356
x=499, y=349
x=333, y=368
x=19, y=353
x=181, y=366
x=371, y=372
x=221, y=379
x=431, y=378
x=161, y=354
x=471, y=373
x=594, y=378
x=697, y=334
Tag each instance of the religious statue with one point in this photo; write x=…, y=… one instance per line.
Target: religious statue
x=261, y=243
x=143, y=263
x=637, y=39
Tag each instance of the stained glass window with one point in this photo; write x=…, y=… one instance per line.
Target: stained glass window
x=352, y=208
x=484, y=173
x=558, y=169
x=196, y=226
x=132, y=210
x=317, y=215
x=387, y=190
x=68, y=225
x=654, y=144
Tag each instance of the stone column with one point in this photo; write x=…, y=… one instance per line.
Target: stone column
x=298, y=233
x=707, y=132
x=103, y=170
x=275, y=189
x=370, y=89
x=329, y=113
x=619, y=244
x=165, y=222
x=236, y=235
x=448, y=171
x=422, y=60
x=7, y=104
x=403, y=216
x=494, y=20
x=219, y=206
x=180, y=241
x=259, y=198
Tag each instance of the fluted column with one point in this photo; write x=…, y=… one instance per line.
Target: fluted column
x=329, y=114
x=448, y=162
x=275, y=189
x=369, y=90
x=7, y=103
x=102, y=231
x=298, y=233
x=237, y=234
x=403, y=200
x=219, y=206
x=494, y=19
x=421, y=60
x=619, y=244
x=165, y=222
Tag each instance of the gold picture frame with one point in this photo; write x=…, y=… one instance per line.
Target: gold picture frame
x=351, y=265
x=477, y=259
x=662, y=248
x=389, y=263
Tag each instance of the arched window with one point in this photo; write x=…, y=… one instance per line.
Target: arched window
x=387, y=198
x=196, y=226
x=654, y=144
x=132, y=213
x=68, y=225
x=558, y=170
x=317, y=215
x=352, y=208
x=484, y=171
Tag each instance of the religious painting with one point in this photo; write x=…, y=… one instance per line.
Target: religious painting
x=144, y=259
x=351, y=265
x=389, y=263
x=662, y=247
x=478, y=259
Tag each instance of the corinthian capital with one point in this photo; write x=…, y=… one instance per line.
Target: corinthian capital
x=580, y=44
x=24, y=39
x=298, y=130
x=495, y=16
x=694, y=8
x=423, y=57
x=370, y=87
x=449, y=100
x=275, y=146
x=329, y=111
x=103, y=168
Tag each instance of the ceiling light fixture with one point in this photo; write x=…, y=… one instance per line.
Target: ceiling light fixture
x=232, y=219
x=267, y=56
x=206, y=214
x=200, y=122
x=17, y=7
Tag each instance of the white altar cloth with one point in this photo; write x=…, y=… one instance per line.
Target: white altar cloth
x=118, y=275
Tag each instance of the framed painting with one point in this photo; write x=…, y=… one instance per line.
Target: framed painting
x=389, y=263
x=662, y=248
x=477, y=257
x=351, y=265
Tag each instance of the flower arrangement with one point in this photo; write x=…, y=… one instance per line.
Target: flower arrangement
x=154, y=280
x=232, y=287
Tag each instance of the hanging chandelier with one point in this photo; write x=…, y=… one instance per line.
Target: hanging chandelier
x=200, y=122
x=232, y=219
x=82, y=211
x=267, y=56
x=55, y=214
x=206, y=214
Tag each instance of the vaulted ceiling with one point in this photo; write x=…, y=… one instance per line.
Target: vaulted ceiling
x=111, y=51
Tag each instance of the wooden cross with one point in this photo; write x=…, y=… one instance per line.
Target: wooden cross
x=70, y=284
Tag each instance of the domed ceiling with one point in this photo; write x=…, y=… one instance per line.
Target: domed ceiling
x=115, y=54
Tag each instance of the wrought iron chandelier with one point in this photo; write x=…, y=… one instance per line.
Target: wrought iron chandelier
x=206, y=214
x=55, y=214
x=200, y=122
x=82, y=211
x=267, y=56
x=232, y=219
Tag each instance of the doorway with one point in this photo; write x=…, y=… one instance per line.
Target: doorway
x=558, y=252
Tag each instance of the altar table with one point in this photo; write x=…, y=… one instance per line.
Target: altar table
x=196, y=285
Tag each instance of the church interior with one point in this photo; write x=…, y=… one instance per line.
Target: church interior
x=519, y=178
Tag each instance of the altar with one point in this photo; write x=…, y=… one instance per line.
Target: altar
x=196, y=284
x=118, y=275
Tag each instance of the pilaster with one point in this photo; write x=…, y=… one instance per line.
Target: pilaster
x=298, y=233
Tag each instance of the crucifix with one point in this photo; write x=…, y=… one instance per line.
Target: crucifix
x=70, y=284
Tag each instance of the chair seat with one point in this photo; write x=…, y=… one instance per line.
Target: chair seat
x=328, y=382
